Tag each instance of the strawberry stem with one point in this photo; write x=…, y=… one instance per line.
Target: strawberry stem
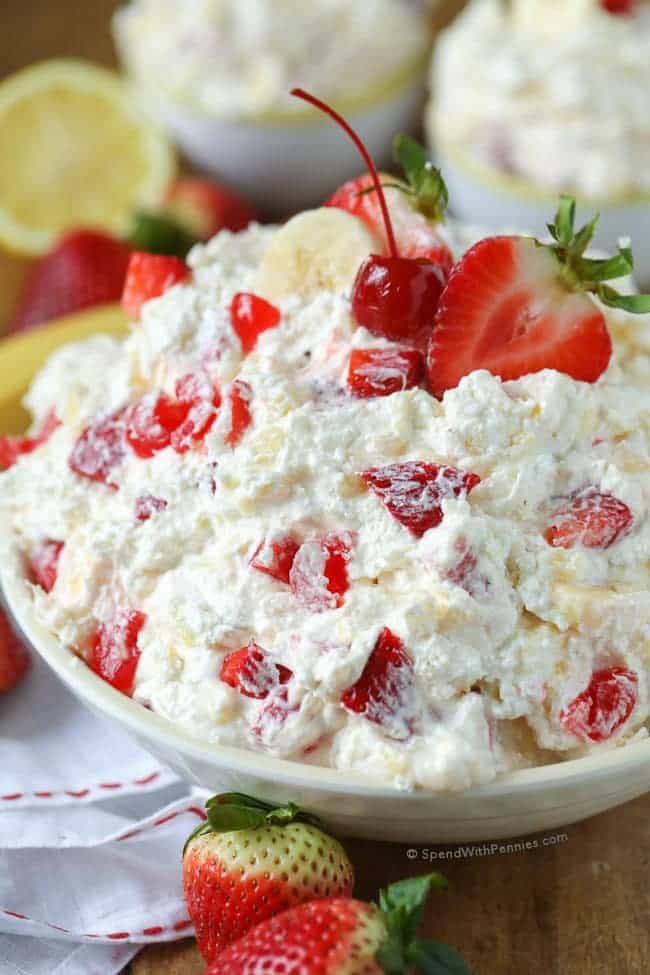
x=323, y=107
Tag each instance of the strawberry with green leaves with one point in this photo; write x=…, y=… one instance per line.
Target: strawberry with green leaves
x=342, y=936
x=251, y=860
x=514, y=306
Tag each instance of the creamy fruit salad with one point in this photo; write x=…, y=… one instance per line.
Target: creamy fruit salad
x=554, y=92
x=238, y=58
x=347, y=497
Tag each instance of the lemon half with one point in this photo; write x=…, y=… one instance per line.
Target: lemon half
x=75, y=150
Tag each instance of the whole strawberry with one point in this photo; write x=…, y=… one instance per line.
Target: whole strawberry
x=204, y=207
x=252, y=860
x=14, y=659
x=341, y=936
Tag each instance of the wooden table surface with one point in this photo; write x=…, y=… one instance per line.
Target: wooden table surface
x=580, y=906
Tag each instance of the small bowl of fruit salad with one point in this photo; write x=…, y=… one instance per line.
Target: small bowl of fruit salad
x=217, y=76
x=357, y=516
x=533, y=98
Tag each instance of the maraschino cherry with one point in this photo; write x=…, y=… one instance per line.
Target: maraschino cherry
x=394, y=297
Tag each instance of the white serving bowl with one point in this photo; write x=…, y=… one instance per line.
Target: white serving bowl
x=524, y=802
x=288, y=162
x=486, y=197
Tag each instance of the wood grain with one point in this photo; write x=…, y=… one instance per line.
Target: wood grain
x=577, y=908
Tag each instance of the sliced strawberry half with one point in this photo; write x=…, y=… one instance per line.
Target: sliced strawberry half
x=605, y=706
x=319, y=574
x=149, y=276
x=381, y=372
x=100, y=449
x=506, y=309
x=589, y=518
x=274, y=557
x=413, y=491
x=253, y=672
x=385, y=691
x=114, y=649
x=43, y=564
x=251, y=315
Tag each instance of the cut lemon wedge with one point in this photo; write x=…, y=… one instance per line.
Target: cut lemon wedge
x=76, y=150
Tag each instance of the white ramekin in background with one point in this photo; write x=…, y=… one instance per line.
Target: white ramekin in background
x=523, y=802
x=287, y=162
x=486, y=197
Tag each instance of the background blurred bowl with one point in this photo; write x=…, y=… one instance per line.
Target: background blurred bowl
x=489, y=198
x=288, y=162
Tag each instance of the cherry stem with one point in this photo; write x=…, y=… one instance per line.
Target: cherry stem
x=367, y=158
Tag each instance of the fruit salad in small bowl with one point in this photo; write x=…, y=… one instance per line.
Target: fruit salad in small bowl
x=533, y=98
x=357, y=514
x=224, y=98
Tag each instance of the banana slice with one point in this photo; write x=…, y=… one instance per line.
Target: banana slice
x=318, y=250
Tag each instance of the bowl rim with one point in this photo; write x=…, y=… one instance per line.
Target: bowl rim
x=411, y=74
x=147, y=725
x=516, y=187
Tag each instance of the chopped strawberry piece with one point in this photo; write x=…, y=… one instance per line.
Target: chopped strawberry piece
x=100, y=449
x=14, y=659
x=274, y=556
x=147, y=505
x=319, y=574
x=149, y=276
x=385, y=691
x=505, y=309
x=240, y=396
x=380, y=372
x=250, y=316
x=11, y=448
x=151, y=421
x=253, y=672
x=199, y=401
x=43, y=564
x=414, y=491
x=114, y=649
x=416, y=236
x=589, y=518
x=606, y=704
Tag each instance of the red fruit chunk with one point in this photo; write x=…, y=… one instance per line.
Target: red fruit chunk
x=11, y=448
x=414, y=491
x=273, y=715
x=380, y=372
x=239, y=397
x=147, y=505
x=100, y=449
x=114, y=649
x=505, y=309
x=415, y=235
x=461, y=574
x=253, y=672
x=149, y=276
x=397, y=298
x=606, y=704
x=385, y=692
x=274, y=556
x=250, y=316
x=85, y=268
x=319, y=574
x=14, y=659
x=623, y=8
x=43, y=564
x=150, y=423
x=589, y=518
x=199, y=402
x=204, y=207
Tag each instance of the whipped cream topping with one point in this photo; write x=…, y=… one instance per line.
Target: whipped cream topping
x=500, y=644
x=552, y=91
x=238, y=58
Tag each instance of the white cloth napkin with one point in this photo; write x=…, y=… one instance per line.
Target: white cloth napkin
x=91, y=834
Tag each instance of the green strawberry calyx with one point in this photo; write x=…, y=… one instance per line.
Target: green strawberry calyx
x=422, y=184
x=580, y=273
x=402, y=906
x=232, y=812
